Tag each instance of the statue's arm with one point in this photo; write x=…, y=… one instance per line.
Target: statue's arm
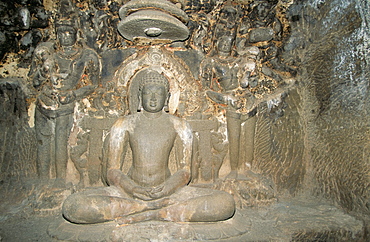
x=39, y=70
x=178, y=180
x=182, y=177
x=92, y=68
x=119, y=137
x=35, y=74
x=117, y=143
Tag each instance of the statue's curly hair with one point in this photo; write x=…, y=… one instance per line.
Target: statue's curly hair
x=152, y=76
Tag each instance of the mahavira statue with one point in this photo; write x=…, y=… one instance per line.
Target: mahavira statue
x=149, y=191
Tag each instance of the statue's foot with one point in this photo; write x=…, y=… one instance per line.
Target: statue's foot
x=139, y=217
x=232, y=175
x=160, y=203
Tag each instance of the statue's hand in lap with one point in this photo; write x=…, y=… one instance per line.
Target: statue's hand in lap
x=158, y=192
x=142, y=193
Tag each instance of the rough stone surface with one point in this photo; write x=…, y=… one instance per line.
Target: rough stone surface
x=301, y=95
x=334, y=88
x=261, y=34
x=17, y=139
x=298, y=219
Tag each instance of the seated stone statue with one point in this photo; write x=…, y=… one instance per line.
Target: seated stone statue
x=149, y=191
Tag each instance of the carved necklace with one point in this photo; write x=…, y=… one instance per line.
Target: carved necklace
x=64, y=55
x=229, y=61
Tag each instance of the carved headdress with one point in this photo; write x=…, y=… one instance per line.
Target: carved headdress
x=67, y=15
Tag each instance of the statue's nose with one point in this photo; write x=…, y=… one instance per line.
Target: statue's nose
x=153, y=98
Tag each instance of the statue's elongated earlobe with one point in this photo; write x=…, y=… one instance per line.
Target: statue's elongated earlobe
x=165, y=107
x=139, y=105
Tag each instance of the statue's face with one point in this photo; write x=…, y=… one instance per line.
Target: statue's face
x=225, y=44
x=42, y=53
x=67, y=36
x=153, y=97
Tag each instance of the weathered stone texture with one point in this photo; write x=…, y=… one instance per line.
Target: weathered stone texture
x=17, y=140
x=279, y=145
x=331, y=41
x=312, y=140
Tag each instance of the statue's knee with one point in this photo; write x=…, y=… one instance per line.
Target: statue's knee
x=224, y=205
x=228, y=204
x=68, y=207
x=84, y=209
x=217, y=207
x=72, y=209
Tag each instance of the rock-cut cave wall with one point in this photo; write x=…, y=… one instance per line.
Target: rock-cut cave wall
x=320, y=145
x=330, y=41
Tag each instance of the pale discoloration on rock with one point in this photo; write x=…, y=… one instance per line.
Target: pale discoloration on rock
x=309, y=91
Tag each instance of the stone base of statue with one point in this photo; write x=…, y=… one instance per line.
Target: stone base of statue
x=297, y=219
x=151, y=230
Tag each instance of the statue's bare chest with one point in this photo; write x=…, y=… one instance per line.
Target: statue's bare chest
x=150, y=135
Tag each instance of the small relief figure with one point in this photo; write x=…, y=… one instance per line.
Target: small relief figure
x=219, y=150
x=88, y=29
x=266, y=30
x=227, y=21
x=63, y=72
x=79, y=159
x=263, y=15
x=149, y=191
x=200, y=30
x=105, y=24
x=223, y=65
x=226, y=78
x=43, y=63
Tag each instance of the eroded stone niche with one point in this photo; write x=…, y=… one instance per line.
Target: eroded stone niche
x=302, y=109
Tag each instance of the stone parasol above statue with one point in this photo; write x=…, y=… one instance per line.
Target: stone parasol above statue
x=153, y=22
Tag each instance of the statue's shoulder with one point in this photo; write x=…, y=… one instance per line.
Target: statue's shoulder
x=175, y=118
x=48, y=44
x=125, y=122
x=207, y=61
x=88, y=50
x=90, y=53
x=179, y=123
